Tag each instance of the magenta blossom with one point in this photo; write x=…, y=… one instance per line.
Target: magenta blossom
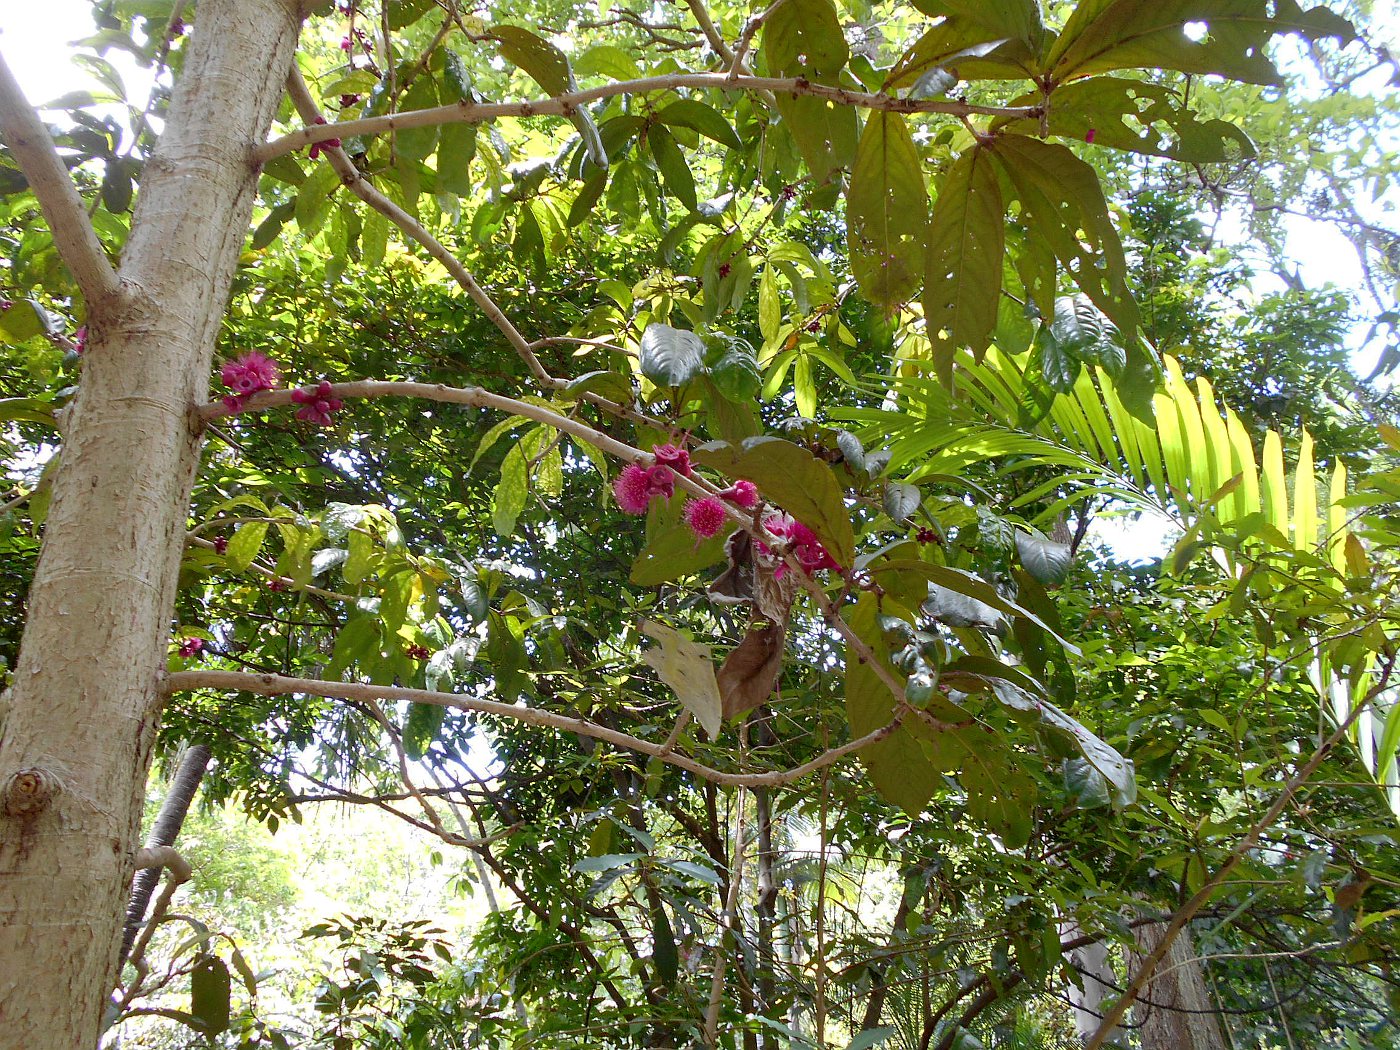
x=250, y=372
x=802, y=544
x=317, y=405
x=317, y=148
x=191, y=647
x=80, y=340
x=705, y=517
x=661, y=482
x=632, y=489
x=247, y=374
x=742, y=494
x=678, y=459
x=1090, y=135
x=220, y=544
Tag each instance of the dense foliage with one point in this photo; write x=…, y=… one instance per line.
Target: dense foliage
x=941, y=281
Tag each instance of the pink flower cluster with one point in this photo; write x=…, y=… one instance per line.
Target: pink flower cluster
x=247, y=374
x=802, y=544
x=317, y=405
x=191, y=647
x=637, y=485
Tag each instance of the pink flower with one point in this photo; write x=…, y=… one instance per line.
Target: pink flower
x=1090, y=135
x=678, y=459
x=632, y=489
x=345, y=43
x=220, y=544
x=317, y=148
x=250, y=372
x=191, y=646
x=705, y=516
x=742, y=494
x=802, y=544
x=661, y=482
x=80, y=340
x=277, y=585
x=317, y=405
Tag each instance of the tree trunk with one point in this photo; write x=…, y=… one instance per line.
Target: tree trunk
x=171, y=818
x=1174, y=1011
x=1091, y=963
x=86, y=701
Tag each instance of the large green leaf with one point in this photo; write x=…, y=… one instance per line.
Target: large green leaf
x=549, y=67
x=887, y=212
x=825, y=135
x=898, y=765
x=804, y=36
x=1137, y=116
x=962, y=273
x=1015, y=23
x=689, y=113
x=671, y=550
x=688, y=669
x=210, y=987
x=795, y=480
x=1102, y=35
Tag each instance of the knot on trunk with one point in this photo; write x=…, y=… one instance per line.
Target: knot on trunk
x=27, y=792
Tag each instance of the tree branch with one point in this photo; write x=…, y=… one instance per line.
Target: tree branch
x=280, y=685
x=32, y=147
x=563, y=105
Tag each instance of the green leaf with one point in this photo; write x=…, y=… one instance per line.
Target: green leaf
x=670, y=551
x=418, y=143
x=804, y=36
x=210, y=990
x=421, y=728
x=27, y=410
x=687, y=668
x=505, y=647
x=793, y=478
x=549, y=67
x=736, y=374
x=314, y=199
x=671, y=357
x=825, y=135
x=963, y=267
x=870, y=1037
x=898, y=765
x=1058, y=368
x=1102, y=35
x=887, y=212
x=1063, y=207
x=1046, y=560
x=244, y=545
x=689, y=113
x=1140, y=117
x=664, y=955
x=674, y=168
x=1081, y=330
x=23, y=320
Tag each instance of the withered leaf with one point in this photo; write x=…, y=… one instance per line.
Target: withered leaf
x=751, y=670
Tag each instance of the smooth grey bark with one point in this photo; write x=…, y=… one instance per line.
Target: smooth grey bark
x=85, y=700
x=184, y=785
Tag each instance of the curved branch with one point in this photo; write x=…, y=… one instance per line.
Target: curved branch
x=77, y=241
x=563, y=105
x=280, y=685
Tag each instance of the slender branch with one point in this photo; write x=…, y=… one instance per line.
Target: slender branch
x=712, y=34
x=360, y=187
x=32, y=147
x=280, y=685
x=563, y=105
x=1187, y=911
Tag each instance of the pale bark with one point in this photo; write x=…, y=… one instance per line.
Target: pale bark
x=86, y=696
